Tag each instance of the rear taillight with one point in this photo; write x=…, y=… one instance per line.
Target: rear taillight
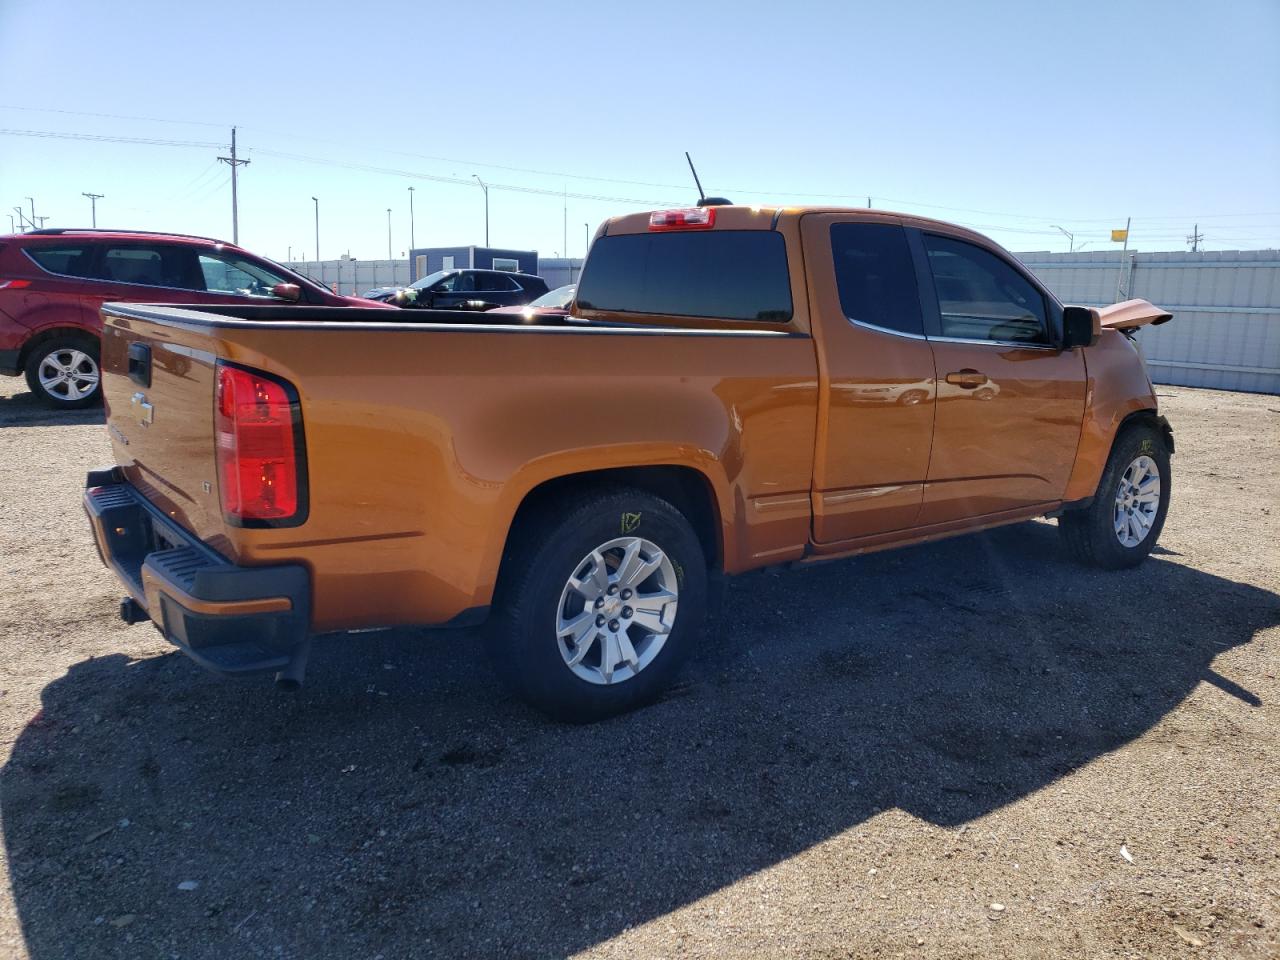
x=691, y=218
x=261, y=459
x=14, y=284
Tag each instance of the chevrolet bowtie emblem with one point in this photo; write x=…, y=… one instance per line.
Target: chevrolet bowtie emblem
x=146, y=412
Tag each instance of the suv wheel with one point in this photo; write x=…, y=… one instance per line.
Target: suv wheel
x=1120, y=527
x=602, y=597
x=63, y=372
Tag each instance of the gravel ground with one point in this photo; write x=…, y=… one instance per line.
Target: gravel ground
x=968, y=749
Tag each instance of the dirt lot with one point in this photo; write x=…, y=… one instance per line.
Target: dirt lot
x=969, y=749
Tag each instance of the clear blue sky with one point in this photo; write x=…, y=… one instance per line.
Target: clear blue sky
x=1010, y=117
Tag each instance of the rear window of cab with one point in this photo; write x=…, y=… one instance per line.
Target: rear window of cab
x=718, y=274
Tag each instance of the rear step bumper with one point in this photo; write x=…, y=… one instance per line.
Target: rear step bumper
x=229, y=619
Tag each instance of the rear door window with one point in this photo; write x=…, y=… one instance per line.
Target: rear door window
x=876, y=276
x=981, y=297
x=720, y=274
x=70, y=261
x=151, y=265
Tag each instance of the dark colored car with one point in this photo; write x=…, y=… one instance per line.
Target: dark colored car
x=53, y=283
x=467, y=289
x=553, y=304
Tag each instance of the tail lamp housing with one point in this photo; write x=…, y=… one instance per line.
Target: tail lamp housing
x=690, y=218
x=261, y=452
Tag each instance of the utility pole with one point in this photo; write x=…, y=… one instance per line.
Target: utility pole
x=390, y=255
x=412, y=242
x=565, y=248
x=586, y=234
x=868, y=203
x=1195, y=239
x=1071, y=237
x=11, y=229
x=290, y=260
x=233, y=162
x=1123, y=253
x=22, y=220
x=485, y=187
x=33, y=211
x=93, y=200
x=317, y=200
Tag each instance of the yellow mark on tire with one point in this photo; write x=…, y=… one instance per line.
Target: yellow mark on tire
x=630, y=522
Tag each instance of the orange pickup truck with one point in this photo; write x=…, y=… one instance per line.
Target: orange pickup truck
x=734, y=387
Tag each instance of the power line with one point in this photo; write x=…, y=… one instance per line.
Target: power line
x=105, y=138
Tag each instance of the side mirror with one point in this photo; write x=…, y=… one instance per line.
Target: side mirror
x=1081, y=327
x=287, y=291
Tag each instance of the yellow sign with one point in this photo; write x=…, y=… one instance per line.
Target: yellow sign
x=1119, y=236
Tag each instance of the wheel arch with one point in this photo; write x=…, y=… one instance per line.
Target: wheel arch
x=43, y=336
x=686, y=488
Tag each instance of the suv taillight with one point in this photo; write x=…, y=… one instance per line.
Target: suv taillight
x=14, y=284
x=262, y=476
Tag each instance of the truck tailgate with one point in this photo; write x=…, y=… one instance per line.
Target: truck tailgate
x=158, y=385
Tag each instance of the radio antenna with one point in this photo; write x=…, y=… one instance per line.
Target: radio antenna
x=701, y=195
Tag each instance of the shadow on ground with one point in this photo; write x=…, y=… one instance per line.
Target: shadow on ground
x=403, y=805
x=24, y=410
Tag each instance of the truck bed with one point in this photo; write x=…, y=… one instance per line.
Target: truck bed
x=425, y=431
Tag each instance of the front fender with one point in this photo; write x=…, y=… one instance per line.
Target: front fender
x=1117, y=389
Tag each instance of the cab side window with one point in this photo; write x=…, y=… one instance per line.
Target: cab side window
x=982, y=297
x=74, y=261
x=875, y=276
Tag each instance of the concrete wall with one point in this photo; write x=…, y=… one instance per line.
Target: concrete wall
x=1225, y=331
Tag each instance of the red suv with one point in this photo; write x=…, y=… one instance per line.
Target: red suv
x=53, y=282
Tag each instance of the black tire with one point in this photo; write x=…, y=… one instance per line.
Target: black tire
x=1089, y=533
x=547, y=548
x=86, y=346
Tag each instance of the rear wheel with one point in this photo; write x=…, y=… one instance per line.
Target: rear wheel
x=602, y=598
x=1120, y=527
x=63, y=372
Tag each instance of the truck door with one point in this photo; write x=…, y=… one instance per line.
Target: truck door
x=876, y=397
x=1009, y=401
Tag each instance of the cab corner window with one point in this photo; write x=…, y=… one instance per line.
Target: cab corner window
x=875, y=276
x=981, y=296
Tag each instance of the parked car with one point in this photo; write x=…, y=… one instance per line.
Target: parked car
x=553, y=304
x=53, y=283
x=731, y=393
x=465, y=289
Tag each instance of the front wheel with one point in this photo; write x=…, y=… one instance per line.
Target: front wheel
x=63, y=373
x=1120, y=527
x=602, y=597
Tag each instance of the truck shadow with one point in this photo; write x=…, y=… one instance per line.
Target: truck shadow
x=403, y=805
x=24, y=410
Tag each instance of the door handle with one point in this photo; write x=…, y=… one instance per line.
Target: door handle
x=967, y=379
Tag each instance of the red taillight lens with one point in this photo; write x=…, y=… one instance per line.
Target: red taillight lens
x=259, y=449
x=691, y=218
x=14, y=284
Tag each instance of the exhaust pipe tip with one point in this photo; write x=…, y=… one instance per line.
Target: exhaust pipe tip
x=289, y=680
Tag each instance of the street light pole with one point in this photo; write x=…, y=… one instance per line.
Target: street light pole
x=1071, y=237
x=93, y=200
x=485, y=187
x=390, y=256
x=317, y=200
x=412, y=242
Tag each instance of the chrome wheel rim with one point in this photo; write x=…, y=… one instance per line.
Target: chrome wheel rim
x=1137, y=502
x=68, y=374
x=616, y=610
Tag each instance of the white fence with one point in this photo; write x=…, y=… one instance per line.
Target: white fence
x=1225, y=331
x=354, y=277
